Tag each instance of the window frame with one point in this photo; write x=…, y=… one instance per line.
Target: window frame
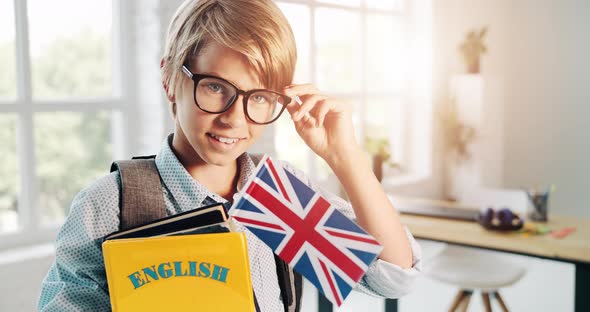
x=24, y=106
x=416, y=159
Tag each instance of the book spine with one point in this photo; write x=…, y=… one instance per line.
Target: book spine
x=107, y=264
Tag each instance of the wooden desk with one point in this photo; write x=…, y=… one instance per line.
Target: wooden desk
x=575, y=248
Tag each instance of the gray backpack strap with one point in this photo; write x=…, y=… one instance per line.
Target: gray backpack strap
x=141, y=199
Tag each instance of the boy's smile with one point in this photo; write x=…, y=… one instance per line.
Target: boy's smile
x=223, y=143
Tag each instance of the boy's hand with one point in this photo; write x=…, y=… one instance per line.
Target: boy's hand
x=324, y=124
x=326, y=127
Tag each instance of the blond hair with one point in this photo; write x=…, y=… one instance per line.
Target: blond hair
x=256, y=29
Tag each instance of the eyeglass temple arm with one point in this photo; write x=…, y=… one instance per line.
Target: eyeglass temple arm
x=187, y=72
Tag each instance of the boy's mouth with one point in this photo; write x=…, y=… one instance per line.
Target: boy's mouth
x=225, y=140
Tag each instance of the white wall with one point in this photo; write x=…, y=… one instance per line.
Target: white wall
x=547, y=72
x=538, y=68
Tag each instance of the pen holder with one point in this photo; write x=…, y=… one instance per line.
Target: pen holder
x=539, y=202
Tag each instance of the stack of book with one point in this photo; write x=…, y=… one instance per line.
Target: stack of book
x=194, y=261
x=186, y=262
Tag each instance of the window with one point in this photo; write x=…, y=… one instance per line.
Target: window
x=359, y=51
x=60, y=100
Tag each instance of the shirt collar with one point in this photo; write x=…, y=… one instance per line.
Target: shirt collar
x=188, y=192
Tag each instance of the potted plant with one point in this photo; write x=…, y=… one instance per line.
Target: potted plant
x=379, y=150
x=472, y=49
x=457, y=134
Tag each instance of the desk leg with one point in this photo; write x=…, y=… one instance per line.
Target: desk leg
x=582, y=300
x=390, y=305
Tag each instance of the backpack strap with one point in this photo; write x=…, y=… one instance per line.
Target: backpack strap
x=141, y=199
x=291, y=284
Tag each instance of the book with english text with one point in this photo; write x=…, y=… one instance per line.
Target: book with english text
x=186, y=262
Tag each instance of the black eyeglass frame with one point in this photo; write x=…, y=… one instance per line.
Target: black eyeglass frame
x=245, y=96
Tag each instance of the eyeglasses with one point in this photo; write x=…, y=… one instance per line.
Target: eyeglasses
x=216, y=95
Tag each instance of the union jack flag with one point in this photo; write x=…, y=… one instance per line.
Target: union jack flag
x=305, y=230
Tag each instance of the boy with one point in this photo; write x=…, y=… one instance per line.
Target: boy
x=216, y=49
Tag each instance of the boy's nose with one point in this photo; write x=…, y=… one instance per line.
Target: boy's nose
x=235, y=116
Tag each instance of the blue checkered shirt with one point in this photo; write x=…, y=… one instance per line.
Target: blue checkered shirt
x=76, y=280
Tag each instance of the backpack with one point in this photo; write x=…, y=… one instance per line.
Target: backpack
x=139, y=180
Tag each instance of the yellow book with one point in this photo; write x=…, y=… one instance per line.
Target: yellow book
x=197, y=272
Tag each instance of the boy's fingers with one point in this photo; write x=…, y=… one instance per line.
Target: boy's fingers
x=307, y=105
x=305, y=122
x=310, y=113
x=293, y=106
x=321, y=110
x=302, y=92
x=309, y=121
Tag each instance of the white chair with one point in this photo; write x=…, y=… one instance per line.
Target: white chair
x=473, y=269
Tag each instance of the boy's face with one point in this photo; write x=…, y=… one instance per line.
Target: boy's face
x=217, y=139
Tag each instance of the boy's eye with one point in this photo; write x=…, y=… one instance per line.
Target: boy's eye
x=260, y=98
x=215, y=87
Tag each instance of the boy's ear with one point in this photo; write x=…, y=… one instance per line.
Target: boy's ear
x=170, y=97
